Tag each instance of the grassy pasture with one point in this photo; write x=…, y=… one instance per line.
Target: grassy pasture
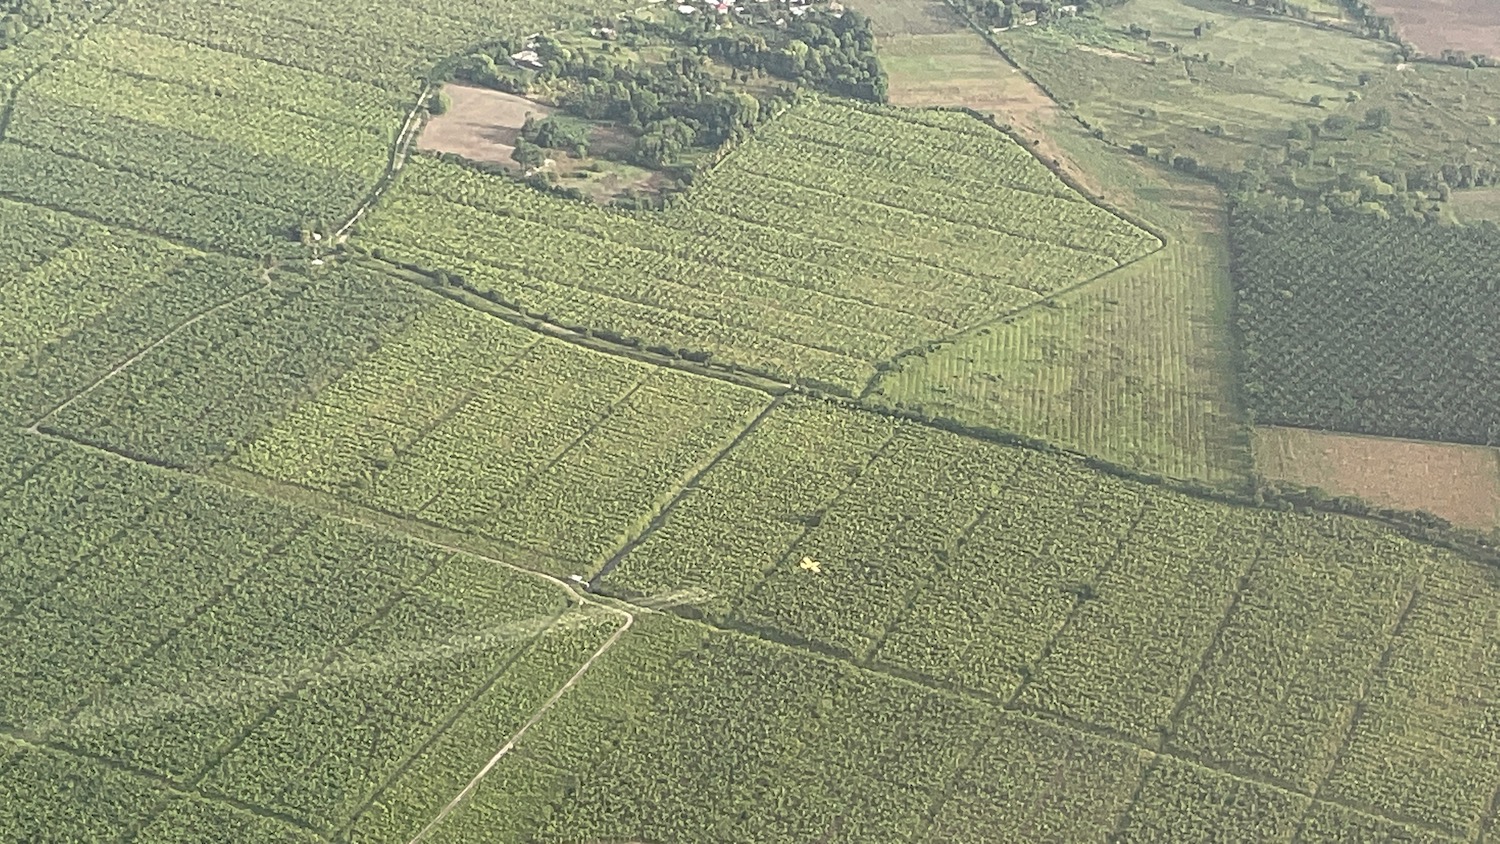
x=1135, y=366
x=1260, y=79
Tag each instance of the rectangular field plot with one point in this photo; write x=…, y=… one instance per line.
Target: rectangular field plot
x=781, y=257
x=200, y=390
x=149, y=132
x=1032, y=782
x=469, y=423
x=67, y=271
x=291, y=666
x=387, y=45
x=1278, y=693
x=1426, y=744
x=1179, y=801
x=749, y=741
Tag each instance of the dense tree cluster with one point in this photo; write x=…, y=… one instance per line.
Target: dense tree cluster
x=1370, y=326
x=688, y=100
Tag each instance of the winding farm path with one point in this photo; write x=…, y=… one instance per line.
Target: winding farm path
x=399, y=151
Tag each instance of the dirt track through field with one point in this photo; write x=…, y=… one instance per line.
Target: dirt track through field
x=510, y=743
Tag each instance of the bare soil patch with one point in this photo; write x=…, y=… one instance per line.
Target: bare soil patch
x=1472, y=26
x=1116, y=54
x=1461, y=483
x=481, y=124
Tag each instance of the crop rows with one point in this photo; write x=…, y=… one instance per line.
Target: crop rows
x=1180, y=802
x=1031, y=781
x=32, y=235
x=574, y=450
x=301, y=192
x=1375, y=327
x=540, y=257
x=423, y=657
x=781, y=257
x=262, y=127
x=77, y=273
x=1317, y=629
x=1246, y=640
x=221, y=380
x=291, y=663
x=217, y=73
x=93, y=346
x=143, y=203
x=817, y=260
x=750, y=742
x=1055, y=222
x=389, y=46
x=444, y=766
x=967, y=148
x=1432, y=760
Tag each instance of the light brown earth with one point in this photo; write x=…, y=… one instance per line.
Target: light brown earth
x=480, y=124
x=1461, y=483
x=1472, y=26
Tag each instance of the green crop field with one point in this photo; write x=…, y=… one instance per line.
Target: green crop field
x=1135, y=366
x=516, y=518
x=781, y=259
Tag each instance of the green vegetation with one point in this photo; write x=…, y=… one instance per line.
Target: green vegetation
x=1374, y=327
x=1023, y=576
x=520, y=519
x=780, y=259
x=1261, y=101
x=469, y=423
x=1136, y=366
x=680, y=86
x=296, y=665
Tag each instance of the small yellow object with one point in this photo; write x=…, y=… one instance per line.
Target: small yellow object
x=809, y=564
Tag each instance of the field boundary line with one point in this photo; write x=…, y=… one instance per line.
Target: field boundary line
x=1079, y=600
x=733, y=620
x=1215, y=641
x=17, y=603
x=693, y=482
x=708, y=300
x=957, y=543
x=67, y=53
x=1042, y=301
x=1357, y=713
x=552, y=458
x=265, y=282
x=1122, y=821
x=340, y=512
x=536, y=717
x=476, y=301
x=133, y=830
x=948, y=221
x=115, y=225
x=165, y=782
x=453, y=717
